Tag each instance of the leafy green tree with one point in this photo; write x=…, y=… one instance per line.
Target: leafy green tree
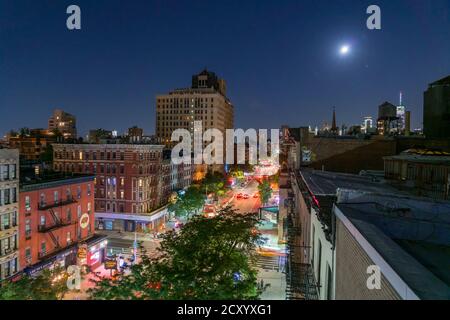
x=48, y=285
x=214, y=182
x=24, y=132
x=47, y=155
x=265, y=191
x=187, y=204
x=209, y=258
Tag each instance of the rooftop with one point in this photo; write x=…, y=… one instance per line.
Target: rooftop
x=325, y=183
x=423, y=156
x=45, y=180
x=440, y=82
x=411, y=234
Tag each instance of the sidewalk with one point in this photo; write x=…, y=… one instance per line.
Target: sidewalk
x=127, y=235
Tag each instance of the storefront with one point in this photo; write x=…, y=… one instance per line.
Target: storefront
x=92, y=253
x=152, y=222
x=61, y=259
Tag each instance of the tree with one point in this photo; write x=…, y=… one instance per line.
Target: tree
x=48, y=285
x=23, y=132
x=209, y=258
x=265, y=191
x=214, y=182
x=47, y=155
x=188, y=203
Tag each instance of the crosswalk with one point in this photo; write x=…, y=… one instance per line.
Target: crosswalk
x=269, y=263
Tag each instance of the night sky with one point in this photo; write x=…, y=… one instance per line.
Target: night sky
x=280, y=58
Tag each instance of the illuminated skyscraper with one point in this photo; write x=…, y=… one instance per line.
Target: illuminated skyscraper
x=401, y=114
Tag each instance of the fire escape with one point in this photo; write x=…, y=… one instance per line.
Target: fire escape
x=57, y=223
x=300, y=280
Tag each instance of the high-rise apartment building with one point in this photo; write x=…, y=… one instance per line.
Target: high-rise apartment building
x=64, y=122
x=9, y=208
x=205, y=101
x=436, y=109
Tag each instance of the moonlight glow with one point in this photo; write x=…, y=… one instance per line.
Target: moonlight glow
x=345, y=49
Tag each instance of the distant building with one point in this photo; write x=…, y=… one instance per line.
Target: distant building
x=367, y=124
x=33, y=144
x=436, y=109
x=64, y=122
x=135, y=134
x=205, y=101
x=99, y=135
x=401, y=114
x=421, y=172
x=9, y=213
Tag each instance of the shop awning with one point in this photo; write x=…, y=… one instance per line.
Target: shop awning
x=131, y=217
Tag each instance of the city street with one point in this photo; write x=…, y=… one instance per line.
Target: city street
x=246, y=205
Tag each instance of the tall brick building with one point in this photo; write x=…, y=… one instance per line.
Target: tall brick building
x=127, y=183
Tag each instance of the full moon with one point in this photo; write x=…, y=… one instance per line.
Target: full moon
x=344, y=50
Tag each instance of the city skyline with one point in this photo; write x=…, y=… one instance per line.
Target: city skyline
x=268, y=60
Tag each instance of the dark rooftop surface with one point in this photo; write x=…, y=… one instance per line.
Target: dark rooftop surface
x=411, y=234
x=31, y=181
x=327, y=183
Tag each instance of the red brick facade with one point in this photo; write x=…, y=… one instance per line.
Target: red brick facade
x=127, y=175
x=55, y=216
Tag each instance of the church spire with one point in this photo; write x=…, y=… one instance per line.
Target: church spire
x=334, y=128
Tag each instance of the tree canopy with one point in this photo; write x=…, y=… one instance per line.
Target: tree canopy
x=209, y=258
x=48, y=285
x=214, y=182
x=187, y=204
x=265, y=191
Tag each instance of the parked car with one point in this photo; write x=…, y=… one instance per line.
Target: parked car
x=256, y=195
x=239, y=196
x=246, y=196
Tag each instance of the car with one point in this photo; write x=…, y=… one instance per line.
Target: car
x=256, y=195
x=239, y=196
x=246, y=196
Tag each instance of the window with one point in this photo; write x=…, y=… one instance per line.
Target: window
x=27, y=203
x=42, y=220
x=28, y=228
x=69, y=237
x=89, y=189
x=43, y=248
x=28, y=255
x=5, y=222
x=14, y=218
x=55, y=196
x=78, y=192
x=69, y=215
